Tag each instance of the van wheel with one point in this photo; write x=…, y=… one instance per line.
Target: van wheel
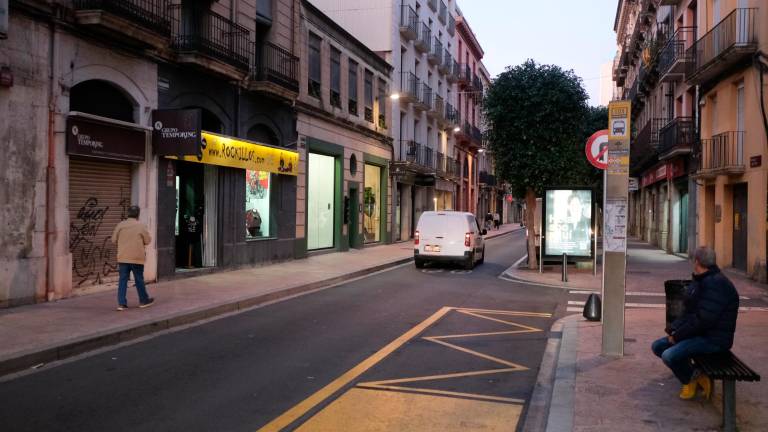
x=482, y=257
x=419, y=263
x=469, y=264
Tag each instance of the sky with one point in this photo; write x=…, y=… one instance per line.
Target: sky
x=573, y=34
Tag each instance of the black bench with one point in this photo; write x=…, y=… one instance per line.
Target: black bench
x=729, y=368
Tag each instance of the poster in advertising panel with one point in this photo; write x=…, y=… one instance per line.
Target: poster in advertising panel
x=568, y=222
x=3, y=19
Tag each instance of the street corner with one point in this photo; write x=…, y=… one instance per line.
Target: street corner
x=551, y=277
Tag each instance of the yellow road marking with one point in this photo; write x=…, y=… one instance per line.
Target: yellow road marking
x=470, y=335
x=478, y=354
x=435, y=377
x=444, y=393
x=363, y=410
x=307, y=404
x=477, y=315
x=512, y=313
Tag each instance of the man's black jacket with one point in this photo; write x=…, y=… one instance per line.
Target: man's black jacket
x=711, y=308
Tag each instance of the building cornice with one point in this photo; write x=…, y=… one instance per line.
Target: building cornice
x=462, y=26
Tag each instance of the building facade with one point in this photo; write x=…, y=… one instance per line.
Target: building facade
x=101, y=74
x=343, y=125
x=419, y=39
x=694, y=72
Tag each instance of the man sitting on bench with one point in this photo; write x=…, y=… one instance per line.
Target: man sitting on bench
x=706, y=326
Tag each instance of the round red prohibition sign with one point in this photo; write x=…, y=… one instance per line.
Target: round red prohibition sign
x=597, y=149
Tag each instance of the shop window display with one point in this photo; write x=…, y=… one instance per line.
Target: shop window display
x=372, y=204
x=257, y=200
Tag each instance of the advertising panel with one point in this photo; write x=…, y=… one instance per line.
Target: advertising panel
x=568, y=222
x=3, y=19
x=237, y=153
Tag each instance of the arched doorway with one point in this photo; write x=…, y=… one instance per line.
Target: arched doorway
x=263, y=134
x=100, y=188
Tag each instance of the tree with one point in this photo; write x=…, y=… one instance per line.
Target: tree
x=537, y=117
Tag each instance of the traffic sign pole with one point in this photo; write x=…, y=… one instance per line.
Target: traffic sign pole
x=615, y=228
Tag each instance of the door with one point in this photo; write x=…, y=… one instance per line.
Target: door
x=740, y=225
x=191, y=214
x=683, y=235
x=320, y=201
x=353, y=226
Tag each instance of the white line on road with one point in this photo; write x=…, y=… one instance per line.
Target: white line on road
x=517, y=263
x=583, y=292
x=573, y=309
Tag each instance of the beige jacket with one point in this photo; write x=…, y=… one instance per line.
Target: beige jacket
x=131, y=236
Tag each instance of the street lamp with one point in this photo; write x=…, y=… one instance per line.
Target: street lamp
x=394, y=96
x=435, y=201
x=457, y=129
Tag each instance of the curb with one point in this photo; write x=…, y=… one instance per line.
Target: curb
x=551, y=406
x=70, y=348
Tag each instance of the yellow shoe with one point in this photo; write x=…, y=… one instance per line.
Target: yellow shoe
x=688, y=391
x=705, y=383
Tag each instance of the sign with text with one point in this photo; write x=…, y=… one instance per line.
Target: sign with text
x=615, y=225
x=237, y=153
x=93, y=138
x=568, y=222
x=177, y=132
x=634, y=184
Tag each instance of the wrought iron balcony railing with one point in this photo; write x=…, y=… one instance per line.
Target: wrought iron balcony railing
x=723, y=154
x=409, y=87
x=153, y=15
x=677, y=137
x=409, y=22
x=673, y=56
x=275, y=64
x=435, y=56
x=451, y=25
x=443, y=14
x=417, y=154
x=464, y=74
x=730, y=41
x=423, y=43
x=201, y=31
x=452, y=115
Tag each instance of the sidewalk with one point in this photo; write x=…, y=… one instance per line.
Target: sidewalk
x=47, y=332
x=587, y=392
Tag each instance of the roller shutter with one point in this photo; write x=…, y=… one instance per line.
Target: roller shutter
x=99, y=195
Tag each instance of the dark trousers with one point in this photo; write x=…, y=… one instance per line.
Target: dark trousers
x=138, y=276
x=678, y=356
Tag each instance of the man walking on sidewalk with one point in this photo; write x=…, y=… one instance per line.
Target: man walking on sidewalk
x=706, y=326
x=131, y=237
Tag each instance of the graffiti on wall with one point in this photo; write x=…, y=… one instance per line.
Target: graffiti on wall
x=93, y=253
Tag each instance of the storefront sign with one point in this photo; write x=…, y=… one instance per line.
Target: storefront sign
x=94, y=138
x=755, y=161
x=666, y=171
x=236, y=153
x=424, y=180
x=177, y=132
x=3, y=19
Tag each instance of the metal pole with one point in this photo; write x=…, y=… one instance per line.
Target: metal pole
x=594, y=250
x=541, y=252
x=565, y=268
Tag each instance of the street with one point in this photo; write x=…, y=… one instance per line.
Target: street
x=285, y=364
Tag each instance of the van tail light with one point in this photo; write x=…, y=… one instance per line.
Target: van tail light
x=468, y=239
x=416, y=238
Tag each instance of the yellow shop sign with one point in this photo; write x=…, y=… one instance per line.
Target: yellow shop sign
x=237, y=153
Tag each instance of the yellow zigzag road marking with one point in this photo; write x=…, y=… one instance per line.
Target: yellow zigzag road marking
x=511, y=367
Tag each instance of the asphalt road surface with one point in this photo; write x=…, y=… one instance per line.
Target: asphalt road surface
x=405, y=349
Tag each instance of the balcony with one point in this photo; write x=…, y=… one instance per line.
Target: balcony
x=452, y=115
x=409, y=23
x=464, y=75
x=442, y=16
x=424, y=42
x=208, y=40
x=445, y=66
x=435, y=55
x=677, y=137
x=487, y=179
x=723, y=154
x=432, y=5
x=446, y=167
x=142, y=22
x=417, y=157
x=425, y=100
x=438, y=109
x=642, y=153
x=477, y=136
x=453, y=75
x=275, y=70
x=409, y=87
x=477, y=85
x=451, y=25
x=673, y=58
x=732, y=41
x=648, y=78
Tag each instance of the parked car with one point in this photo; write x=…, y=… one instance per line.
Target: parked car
x=449, y=236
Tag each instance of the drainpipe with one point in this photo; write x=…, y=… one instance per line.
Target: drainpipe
x=50, y=172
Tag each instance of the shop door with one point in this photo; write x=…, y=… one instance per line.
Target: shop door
x=683, y=236
x=740, y=226
x=353, y=226
x=190, y=214
x=99, y=196
x=320, y=201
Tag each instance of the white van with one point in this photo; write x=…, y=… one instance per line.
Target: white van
x=448, y=236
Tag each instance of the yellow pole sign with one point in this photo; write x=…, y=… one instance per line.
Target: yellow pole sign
x=237, y=153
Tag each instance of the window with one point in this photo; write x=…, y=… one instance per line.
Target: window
x=315, y=65
x=368, y=96
x=352, y=87
x=257, y=201
x=335, y=77
x=383, y=104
